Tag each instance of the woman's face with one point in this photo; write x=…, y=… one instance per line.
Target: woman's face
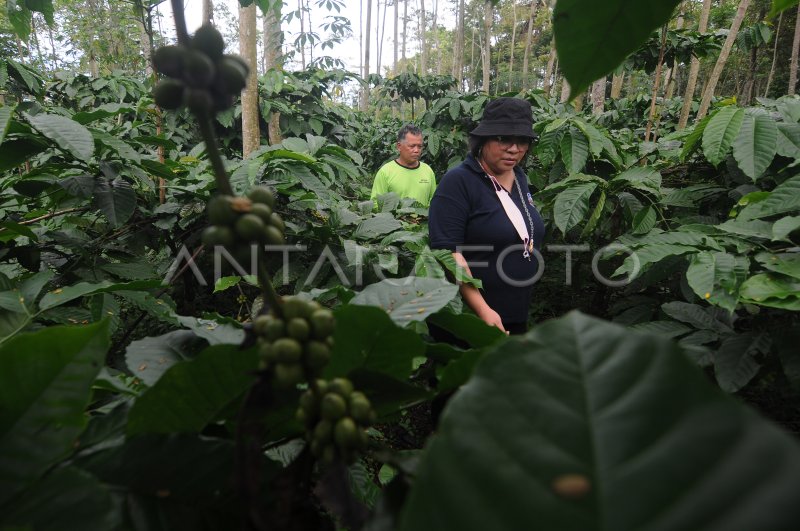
x=502, y=153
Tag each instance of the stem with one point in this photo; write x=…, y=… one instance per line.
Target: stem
x=220, y=174
x=267, y=290
x=180, y=22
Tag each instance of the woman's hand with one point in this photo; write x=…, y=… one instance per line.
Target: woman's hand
x=492, y=318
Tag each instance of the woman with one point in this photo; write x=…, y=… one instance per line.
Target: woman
x=483, y=212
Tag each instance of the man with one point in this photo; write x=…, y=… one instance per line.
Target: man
x=406, y=175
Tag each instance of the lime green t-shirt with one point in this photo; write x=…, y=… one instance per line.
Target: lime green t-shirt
x=418, y=183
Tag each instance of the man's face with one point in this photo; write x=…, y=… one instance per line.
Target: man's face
x=410, y=149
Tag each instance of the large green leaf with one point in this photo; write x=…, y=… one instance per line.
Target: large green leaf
x=691, y=140
x=214, y=332
x=641, y=178
x=704, y=318
x=572, y=205
x=115, y=199
x=468, y=327
x=69, y=499
x=756, y=144
x=784, y=227
x=45, y=381
x=192, y=393
x=735, y=364
x=788, y=140
x=408, y=299
x=780, y=5
x=643, y=257
x=150, y=357
x=784, y=263
x=68, y=134
x=574, y=150
x=61, y=296
x=375, y=226
x=772, y=290
x=716, y=277
x=784, y=199
x=582, y=425
x=593, y=38
x=5, y=120
x=367, y=338
x=720, y=133
x=23, y=298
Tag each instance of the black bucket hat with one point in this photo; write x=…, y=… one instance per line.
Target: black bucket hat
x=506, y=116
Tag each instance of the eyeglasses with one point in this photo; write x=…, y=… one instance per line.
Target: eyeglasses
x=506, y=141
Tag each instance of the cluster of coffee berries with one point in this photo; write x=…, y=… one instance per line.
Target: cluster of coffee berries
x=335, y=418
x=239, y=222
x=297, y=338
x=199, y=76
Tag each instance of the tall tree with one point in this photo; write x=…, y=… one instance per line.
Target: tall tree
x=771, y=75
x=405, y=30
x=423, y=70
x=396, y=22
x=795, y=48
x=365, y=66
x=528, y=40
x=550, y=69
x=672, y=71
x=694, y=69
x=458, y=45
x=302, y=34
x=616, y=85
x=251, y=137
x=273, y=58
x=208, y=12
x=487, y=44
x=656, y=79
x=564, y=91
x=711, y=85
x=513, y=43
x=598, y=96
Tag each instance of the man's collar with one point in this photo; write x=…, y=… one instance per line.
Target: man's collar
x=419, y=163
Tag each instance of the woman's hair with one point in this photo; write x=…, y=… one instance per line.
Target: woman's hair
x=475, y=144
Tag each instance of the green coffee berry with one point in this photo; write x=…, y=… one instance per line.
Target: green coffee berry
x=276, y=221
x=218, y=235
x=333, y=407
x=198, y=70
x=209, y=41
x=168, y=94
x=298, y=329
x=317, y=355
x=340, y=386
x=345, y=433
x=322, y=323
x=250, y=228
x=287, y=350
x=287, y=374
x=262, y=194
x=220, y=211
x=198, y=100
x=232, y=75
x=168, y=60
x=261, y=210
x=273, y=236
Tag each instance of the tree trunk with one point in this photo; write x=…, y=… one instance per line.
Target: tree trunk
x=208, y=12
x=302, y=31
x=458, y=56
x=564, y=91
x=705, y=103
x=548, y=73
x=669, y=78
x=405, y=30
x=365, y=92
x=795, y=47
x=694, y=69
x=273, y=59
x=656, y=80
x=528, y=39
x=513, y=43
x=487, y=48
x=598, y=96
x=396, y=47
x=423, y=67
x=774, y=56
x=616, y=85
x=379, y=35
x=247, y=49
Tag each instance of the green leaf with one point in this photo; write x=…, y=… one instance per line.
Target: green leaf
x=130, y=270
x=641, y=178
x=780, y=5
x=716, y=277
x=572, y=205
x=153, y=167
x=115, y=199
x=107, y=110
x=20, y=19
x=367, y=338
x=667, y=329
x=784, y=227
x=784, y=263
x=224, y=283
x=753, y=228
x=690, y=142
x=644, y=221
x=149, y=358
x=772, y=290
x=595, y=217
x=647, y=255
x=18, y=150
x=721, y=131
x=192, y=393
x=595, y=136
x=60, y=296
x=705, y=318
x=574, y=150
x=756, y=144
x=6, y=112
x=68, y=134
x=45, y=382
x=122, y=148
x=23, y=298
x=212, y=331
x=408, y=299
x=593, y=38
x=576, y=396
x=68, y=499
x=788, y=140
x=376, y=226
x=784, y=199
x=468, y=327
x=735, y=364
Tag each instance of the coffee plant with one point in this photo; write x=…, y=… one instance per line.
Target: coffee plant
x=302, y=390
